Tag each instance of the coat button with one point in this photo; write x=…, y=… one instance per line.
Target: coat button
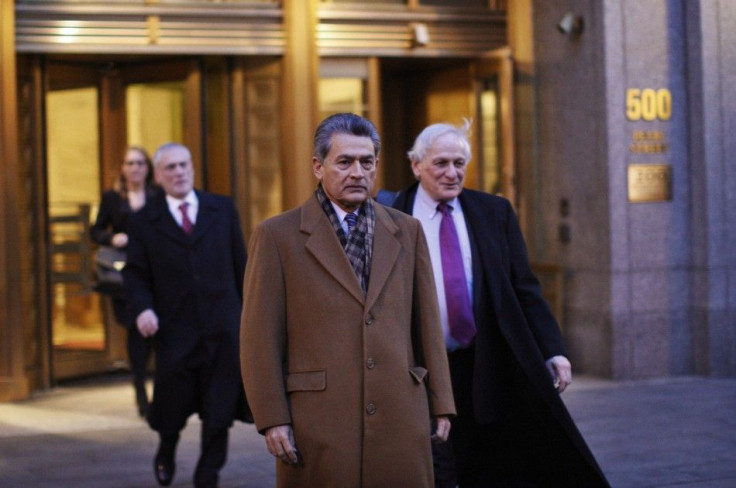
x=370, y=363
x=368, y=320
x=371, y=409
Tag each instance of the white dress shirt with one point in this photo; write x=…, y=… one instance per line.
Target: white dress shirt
x=425, y=210
x=192, y=209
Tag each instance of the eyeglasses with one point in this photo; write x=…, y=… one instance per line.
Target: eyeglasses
x=134, y=162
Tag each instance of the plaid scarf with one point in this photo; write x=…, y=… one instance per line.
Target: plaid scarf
x=359, y=244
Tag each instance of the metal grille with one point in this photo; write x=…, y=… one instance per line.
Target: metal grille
x=395, y=31
x=151, y=28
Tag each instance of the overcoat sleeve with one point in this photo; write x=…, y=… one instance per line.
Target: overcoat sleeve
x=528, y=290
x=100, y=231
x=263, y=333
x=137, y=279
x=431, y=341
x=239, y=252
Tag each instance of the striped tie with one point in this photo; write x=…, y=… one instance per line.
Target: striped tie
x=351, y=219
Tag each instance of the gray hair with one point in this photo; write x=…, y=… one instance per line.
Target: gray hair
x=164, y=148
x=431, y=133
x=343, y=123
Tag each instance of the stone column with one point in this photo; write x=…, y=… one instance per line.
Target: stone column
x=711, y=40
x=299, y=108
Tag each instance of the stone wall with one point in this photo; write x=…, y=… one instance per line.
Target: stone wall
x=644, y=88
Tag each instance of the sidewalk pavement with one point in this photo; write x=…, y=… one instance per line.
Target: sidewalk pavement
x=676, y=432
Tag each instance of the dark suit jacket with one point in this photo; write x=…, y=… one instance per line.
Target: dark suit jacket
x=113, y=217
x=193, y=283
x=516, y=331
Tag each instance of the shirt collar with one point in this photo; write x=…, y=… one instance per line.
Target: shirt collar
x=340, y=212
x=190, y=198
x=429, y=204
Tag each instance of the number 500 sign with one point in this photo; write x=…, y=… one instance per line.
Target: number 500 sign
x=648, y=104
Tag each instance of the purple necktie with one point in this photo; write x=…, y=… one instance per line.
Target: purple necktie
x=459, y=311
x=186, y=224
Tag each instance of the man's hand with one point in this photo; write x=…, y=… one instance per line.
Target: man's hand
x=442, y=432
x=280, y=443
x=561, y=370
x=119, y=240
x=147, y=322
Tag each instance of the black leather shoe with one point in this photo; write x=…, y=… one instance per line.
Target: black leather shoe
x=164, y=468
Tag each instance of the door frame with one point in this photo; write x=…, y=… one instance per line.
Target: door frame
x=499, y=64
x=113, y=129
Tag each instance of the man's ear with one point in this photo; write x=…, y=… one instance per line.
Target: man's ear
x=415, y=168
x=317, y=167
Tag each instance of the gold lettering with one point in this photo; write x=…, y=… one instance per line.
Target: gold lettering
x=648, y=148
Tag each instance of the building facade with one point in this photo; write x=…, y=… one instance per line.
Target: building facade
x=636, y=167
x=607, y=123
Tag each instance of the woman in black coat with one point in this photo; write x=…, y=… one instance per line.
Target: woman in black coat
x=132, y=189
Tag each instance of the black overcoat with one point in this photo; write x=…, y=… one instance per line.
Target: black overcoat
x=112, y=217
x=194, y=284
x=516, y=332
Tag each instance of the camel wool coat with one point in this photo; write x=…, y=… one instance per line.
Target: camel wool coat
x=358, y=377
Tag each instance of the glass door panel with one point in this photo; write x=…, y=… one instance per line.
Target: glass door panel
x=341, y=95
x=495, y=136
x=73, y=189
x=154, y=113
x=491, y=166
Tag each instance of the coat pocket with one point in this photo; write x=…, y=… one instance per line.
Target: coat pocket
x=306, y=381
x=418, y=373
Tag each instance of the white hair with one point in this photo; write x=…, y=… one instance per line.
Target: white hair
x=166, y=148
x=431, y=133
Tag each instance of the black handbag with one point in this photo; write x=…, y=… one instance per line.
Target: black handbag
x=110, y=262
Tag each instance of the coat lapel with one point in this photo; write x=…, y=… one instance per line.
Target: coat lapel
x=206, y=215
x=163, y=221
x=385, y=253
x=483, y=225
x=479, y=231
x=324, y=245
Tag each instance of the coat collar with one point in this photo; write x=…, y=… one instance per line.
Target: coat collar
x=475, y=208
x=324, y=245
x=386, y=248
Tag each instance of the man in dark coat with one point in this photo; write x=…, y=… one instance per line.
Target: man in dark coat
x=507, y=362
x=184, y=280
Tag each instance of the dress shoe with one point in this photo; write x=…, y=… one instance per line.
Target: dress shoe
x=164, y=468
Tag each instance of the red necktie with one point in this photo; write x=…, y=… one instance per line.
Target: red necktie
x=186, y=225
x=459, y=311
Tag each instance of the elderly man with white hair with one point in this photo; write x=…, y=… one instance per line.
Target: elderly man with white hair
x=506, y=354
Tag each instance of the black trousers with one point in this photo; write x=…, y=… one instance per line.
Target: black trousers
x=483, y=456
x=212, y=457
x=139, y=347
x=524, y=447
x=504, y=453
x=139, y=352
